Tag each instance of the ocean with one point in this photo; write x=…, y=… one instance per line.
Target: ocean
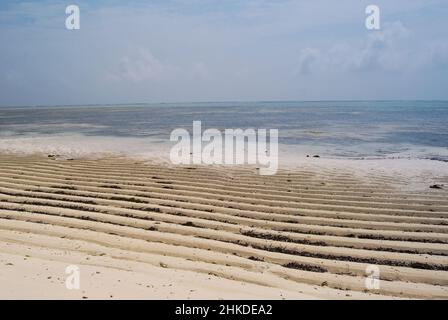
x=332, y=129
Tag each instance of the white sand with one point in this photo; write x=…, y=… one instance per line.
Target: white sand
x=142, y=230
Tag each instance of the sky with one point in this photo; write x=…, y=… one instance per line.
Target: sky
x=212, y=50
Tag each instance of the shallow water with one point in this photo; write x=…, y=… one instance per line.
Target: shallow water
x=337, y=129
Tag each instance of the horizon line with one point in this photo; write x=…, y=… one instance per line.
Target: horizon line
x=223, y=101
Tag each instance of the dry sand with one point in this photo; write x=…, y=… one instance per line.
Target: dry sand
x=153, y=231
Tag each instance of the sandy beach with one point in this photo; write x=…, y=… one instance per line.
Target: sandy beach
x=144, y=230
x=183, y=151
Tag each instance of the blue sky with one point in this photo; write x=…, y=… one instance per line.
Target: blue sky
x=210, y=50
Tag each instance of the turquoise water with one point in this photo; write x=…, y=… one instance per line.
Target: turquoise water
x=354, y=129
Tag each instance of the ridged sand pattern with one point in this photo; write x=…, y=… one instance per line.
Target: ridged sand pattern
x=299, y=227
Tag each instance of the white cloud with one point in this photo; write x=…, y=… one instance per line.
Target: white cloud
x=139, y=67
x=385, y=50
x=307, y=59
x=220, y=50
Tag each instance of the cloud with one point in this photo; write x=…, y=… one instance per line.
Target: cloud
x=139, y=67
x=179, y=50
x=383, y=50
x=307, y=59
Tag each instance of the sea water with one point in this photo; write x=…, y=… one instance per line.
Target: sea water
x=329, y=129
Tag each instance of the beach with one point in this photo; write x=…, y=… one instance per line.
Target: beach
x=140, y=229
x=179, y=152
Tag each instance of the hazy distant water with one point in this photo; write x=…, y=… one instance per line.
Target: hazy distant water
x=334, y=129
